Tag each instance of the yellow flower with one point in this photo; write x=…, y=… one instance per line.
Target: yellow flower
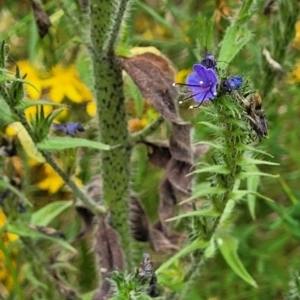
x=50, y=180
x=91, y=108
x=294, y=75
x=6, y=280
x=33, y=77
x=296, y=42
x=182, y=75
x=65, y=82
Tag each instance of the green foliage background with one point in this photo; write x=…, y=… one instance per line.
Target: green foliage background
x=268, y=232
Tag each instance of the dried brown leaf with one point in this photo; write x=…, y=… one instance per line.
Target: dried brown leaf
x=41, y=18
x=158, y=153
x=160, y=243
x=154, y=83
x=139, y=224
x=176, y=173
x=180, y=142
x=110, y=256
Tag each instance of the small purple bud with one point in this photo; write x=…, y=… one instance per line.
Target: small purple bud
x=232, y=83
x=68, y=128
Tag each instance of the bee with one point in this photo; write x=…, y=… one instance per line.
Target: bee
x=256, y=115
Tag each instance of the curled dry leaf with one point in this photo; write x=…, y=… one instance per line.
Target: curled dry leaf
x=158, y=153
x=41, y=18
x=154, y=77
x=110, y=257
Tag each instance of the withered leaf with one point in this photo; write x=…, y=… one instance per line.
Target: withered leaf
x=110, y=256
x=154, y=83
x=176, y=173
x=158, y=153
x=180, y=142
x=139, y=224
x=160, y=243
x=41, y=18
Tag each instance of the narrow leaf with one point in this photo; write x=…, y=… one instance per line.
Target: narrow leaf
x=204, y=192
x=48, y=213
x=25, y=104
x=195, y=245
x=201, y=212
x=244, y=175
x=212, y=145
x=23, y=230
x=60, y=143
x=219, y=169
x=228, y=246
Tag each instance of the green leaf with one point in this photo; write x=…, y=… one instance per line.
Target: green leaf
x=195, y=245
x=201, y=212
x=251, y=161
x=243, y=147
x=151, y=12
x=25, y=104
x=219, y=169
x=7, y=185
x=236, y=36
x=212, y=145
x=24, y=231
x=244, y=175
x=228, y=246
x=57, y=143
x=204, y=191
x=27, y=272
x=214, y=128
x=48, y=213
x=6, y=116
x=252, y=185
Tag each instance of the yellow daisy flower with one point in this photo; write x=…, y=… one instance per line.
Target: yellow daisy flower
x=65, y=82
x=6, y=280
x=33, y=76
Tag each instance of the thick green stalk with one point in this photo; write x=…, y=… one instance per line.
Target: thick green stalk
x=112, y=119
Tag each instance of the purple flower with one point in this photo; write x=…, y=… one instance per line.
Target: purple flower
x=209, y=61
x=232, y=83
x=202, y=84
x=68, y=128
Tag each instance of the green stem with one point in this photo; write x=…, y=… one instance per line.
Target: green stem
x=141, y=135
x=117, y=24
x=112, y=120
x=96, y=209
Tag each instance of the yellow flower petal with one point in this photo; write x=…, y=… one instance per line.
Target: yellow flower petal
x=91, y=109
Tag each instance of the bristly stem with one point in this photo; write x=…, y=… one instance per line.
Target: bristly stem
x=120, y=11
x=95, y=208
x=111, y=116
x=227, y=116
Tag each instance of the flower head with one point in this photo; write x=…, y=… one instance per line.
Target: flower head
x=68, y=128
x=232, y=83
x=65, y=82
x=202, y=83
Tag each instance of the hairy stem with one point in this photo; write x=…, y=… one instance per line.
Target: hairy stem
x=112, y=119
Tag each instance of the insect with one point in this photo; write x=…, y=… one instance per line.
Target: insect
x=146, y=272
x=256, y=115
